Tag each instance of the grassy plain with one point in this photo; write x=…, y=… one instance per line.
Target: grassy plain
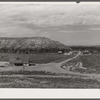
x=42, y=79
x=91, y=62
x=36, y=58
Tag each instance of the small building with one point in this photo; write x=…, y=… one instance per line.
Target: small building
x=4, y=64
x=21, y=61
x=86, y=52
x=18, y=61
x=31, y=63
x=68, y=53
x=26, y=64
x=60, y=52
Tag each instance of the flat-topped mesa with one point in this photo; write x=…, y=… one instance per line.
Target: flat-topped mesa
x=36, y=44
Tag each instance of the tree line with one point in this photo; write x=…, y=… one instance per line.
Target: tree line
x=30, y=50
x=83, y=48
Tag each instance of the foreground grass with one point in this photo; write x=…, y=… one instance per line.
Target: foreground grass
x=40, y=81
x=37, y=82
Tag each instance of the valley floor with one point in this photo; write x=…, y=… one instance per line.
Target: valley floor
x=50, y=75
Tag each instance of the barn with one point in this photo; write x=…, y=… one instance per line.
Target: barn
x=18, y=61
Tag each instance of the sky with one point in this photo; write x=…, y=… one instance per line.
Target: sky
x=69, y=23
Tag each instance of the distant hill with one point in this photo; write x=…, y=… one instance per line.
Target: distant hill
x=30, y=44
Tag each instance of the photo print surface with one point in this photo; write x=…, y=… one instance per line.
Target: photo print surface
x=52, y=45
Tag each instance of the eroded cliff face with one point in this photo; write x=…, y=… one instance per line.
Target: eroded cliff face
x=31, y=43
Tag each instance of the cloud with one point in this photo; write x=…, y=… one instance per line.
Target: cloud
x=15, y=31
x=51, y=15
x=67, y=23
x=44, y=34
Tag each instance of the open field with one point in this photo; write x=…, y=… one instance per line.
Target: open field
x=91, y=63
x=53, y=65
x=50, y=75
x=36, y=58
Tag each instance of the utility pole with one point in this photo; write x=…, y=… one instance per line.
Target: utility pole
x=23, y=68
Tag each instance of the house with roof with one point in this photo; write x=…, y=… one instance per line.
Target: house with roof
x=21, y=61
x=18, y=61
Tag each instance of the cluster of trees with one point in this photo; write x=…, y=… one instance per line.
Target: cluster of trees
x=30, y=50
x=83, y=48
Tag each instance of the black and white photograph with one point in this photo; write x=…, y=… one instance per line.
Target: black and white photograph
x=50, y=45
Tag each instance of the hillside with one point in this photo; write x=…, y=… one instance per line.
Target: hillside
x=32, y=44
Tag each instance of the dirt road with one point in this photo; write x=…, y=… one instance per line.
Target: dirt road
x=56, y=68
x=53, y=67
